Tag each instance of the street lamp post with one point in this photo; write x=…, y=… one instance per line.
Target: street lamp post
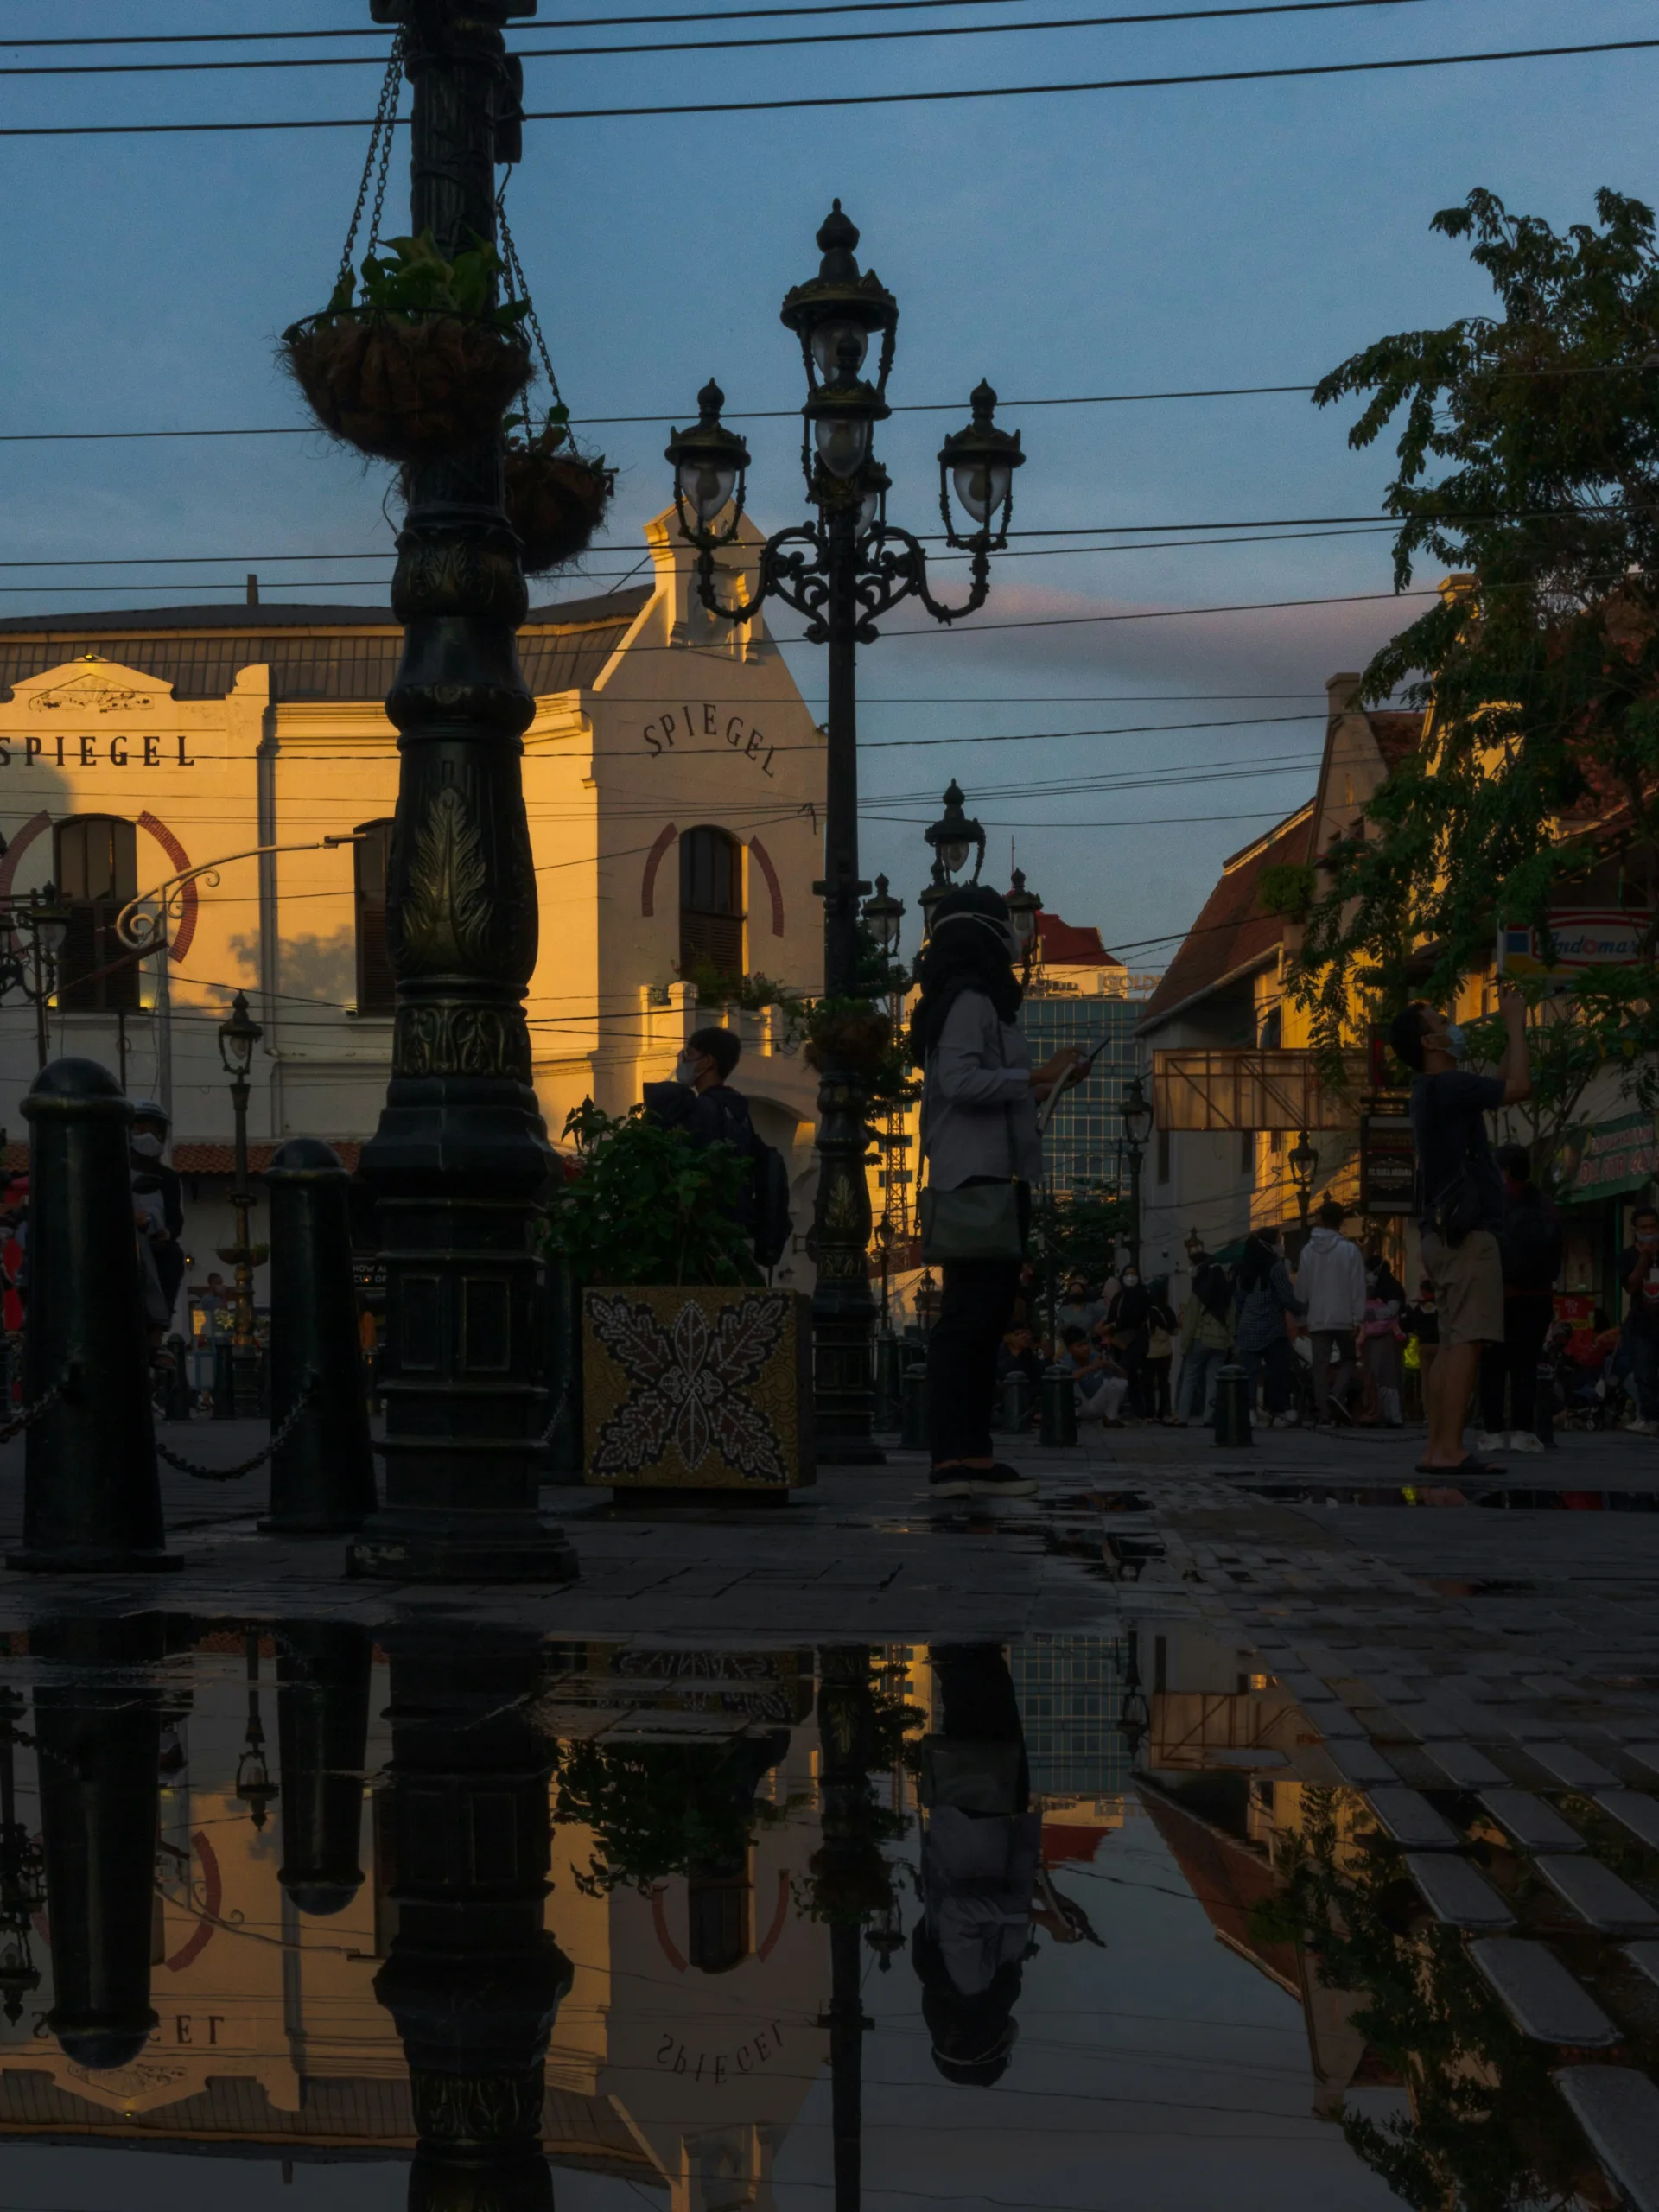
x=1303, y=1161
x=460, y=1155
x=237, y=1038
x=31, y=969
x=843, y=571
x=1137, y=1118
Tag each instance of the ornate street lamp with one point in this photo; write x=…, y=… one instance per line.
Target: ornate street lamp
x=237, y=1038
x=843, y=571
x=939, y=884
x=1303, y=1161
x=1195, y=1246
x=458, y=1163
x=1136, y=1114
x=34, y=939
x=883, y=917
x=254, y=1786
x=1024, y=906
x=955, y=836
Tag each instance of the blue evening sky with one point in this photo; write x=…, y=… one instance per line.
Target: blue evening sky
x=1230, y=234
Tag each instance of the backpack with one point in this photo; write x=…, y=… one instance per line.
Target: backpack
x=765, y=1212
x=772, y=1225
x=1530, y=1242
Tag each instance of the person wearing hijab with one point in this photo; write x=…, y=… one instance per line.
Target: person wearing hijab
x=980, y=1095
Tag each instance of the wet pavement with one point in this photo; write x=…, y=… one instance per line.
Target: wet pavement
x=1218, y=1829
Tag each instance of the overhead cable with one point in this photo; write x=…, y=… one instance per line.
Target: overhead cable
x=680, y=109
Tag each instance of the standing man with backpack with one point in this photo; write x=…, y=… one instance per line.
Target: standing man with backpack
x=1460, y=1203
x=702, y=1102
x=1530, y=1245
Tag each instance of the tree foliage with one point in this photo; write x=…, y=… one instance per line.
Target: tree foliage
x=1079, y=1231
x=1608, y=1023
x=1527, y=466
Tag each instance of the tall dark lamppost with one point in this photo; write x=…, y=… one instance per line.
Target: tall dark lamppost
x=884, y=917
x=843, y=571
x=237, y=1038
x=30, y=967
x=1303, y=1161
x=1137, y=1118
x=460, y=1154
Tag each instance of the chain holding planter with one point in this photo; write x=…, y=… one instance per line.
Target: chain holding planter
x=556, y=495
x=417, y=361
x=422, y=362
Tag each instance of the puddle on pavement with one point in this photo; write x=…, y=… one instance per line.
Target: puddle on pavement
x=1513, y=1496
x=467, y=1918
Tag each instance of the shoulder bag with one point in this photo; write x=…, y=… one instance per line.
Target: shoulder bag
x=977, y=1220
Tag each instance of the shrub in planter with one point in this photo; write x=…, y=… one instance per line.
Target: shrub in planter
x=556, y=497
x=694, y=1376
x=423, y=363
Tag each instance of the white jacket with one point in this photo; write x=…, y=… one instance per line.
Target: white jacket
x=1330, y=1279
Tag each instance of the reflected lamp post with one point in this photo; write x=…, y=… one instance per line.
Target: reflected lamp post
x=1137, y=1118
x=843, y=571
x=22, y=1890
x=254, y=1787
x=237, y=1038
x=29, y=964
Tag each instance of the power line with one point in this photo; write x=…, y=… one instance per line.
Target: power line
x=680, y=108
x=717, y=45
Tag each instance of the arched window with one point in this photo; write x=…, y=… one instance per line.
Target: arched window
x=711, y=901
x=97, y=874
x=371, y=854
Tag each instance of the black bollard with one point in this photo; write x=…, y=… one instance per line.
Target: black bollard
x=224, y=1379
x=1059, y=1424
x=889, y=1381
x=1016, y=1401
x=91, y=1497
x=322, y=1732
x=323, y=1474
x=1233, y=1408
x=912, y=1427
x=99, y=1739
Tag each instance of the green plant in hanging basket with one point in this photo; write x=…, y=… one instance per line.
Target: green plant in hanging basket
x=422, y=362
x=555, y=496
x=855, y=1032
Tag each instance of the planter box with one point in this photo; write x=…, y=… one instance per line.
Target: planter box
x=696, y=1389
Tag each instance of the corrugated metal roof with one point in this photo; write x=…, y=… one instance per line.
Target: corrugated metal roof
x=313, y=653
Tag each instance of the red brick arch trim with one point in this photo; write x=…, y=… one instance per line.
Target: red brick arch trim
x=19, y=845
x=188, y=903
x=653, y=862
x=763, y=860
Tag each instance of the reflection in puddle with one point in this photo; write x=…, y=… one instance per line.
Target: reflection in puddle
x=467, y=1916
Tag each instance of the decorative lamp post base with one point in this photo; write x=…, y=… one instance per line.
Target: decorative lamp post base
x=408, y=1545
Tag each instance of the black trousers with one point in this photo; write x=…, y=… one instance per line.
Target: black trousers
x=1515, y=1362
x=975, y=1307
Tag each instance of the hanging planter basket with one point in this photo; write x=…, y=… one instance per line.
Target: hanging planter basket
x=403, y=387
x=863, y=1041
x=557, y=498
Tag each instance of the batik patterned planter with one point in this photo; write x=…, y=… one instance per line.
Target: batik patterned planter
x=704, y=1388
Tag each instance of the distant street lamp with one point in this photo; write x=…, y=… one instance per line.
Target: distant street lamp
x=1136, y=1116
x=1304, y=1164
x=1195, y=1246
x=237, y=1038
x=254, y=1787
x=1024, y=906
x=34, y=940
x=843, y=571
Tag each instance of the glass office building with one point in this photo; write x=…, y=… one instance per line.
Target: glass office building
x=1080, y=996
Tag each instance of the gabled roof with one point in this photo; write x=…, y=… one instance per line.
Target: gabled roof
x=312, y=651
x=1232, y=935
x=1070, y=945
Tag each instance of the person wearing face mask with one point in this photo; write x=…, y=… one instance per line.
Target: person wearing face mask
x=980, y=1095
x=158, y=1210
x=702, y=1102
x=1129, y=1319
x=1460, y=1204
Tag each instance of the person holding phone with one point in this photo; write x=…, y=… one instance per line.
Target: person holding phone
x=980, y=1096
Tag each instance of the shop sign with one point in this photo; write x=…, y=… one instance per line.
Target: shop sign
x=1387, y=1161
x=1617, y=1155
x=1585, y=937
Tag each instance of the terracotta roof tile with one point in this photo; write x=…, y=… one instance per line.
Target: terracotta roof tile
x=1397, y=733
x=1072, y=945
x=1232, y=931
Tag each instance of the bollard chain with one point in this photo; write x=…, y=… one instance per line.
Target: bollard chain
x=30, y=1415
x=278, y=1437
